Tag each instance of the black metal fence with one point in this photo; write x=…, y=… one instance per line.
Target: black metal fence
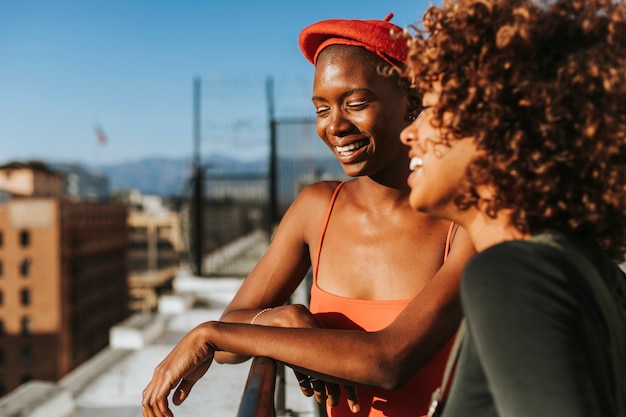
x=263, y=149
x=257, y=162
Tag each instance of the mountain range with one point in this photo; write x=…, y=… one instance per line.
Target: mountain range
x=170, y=176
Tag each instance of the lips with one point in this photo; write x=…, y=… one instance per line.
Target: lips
x=349, y=149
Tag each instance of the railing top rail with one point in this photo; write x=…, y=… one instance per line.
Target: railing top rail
x=258, y=394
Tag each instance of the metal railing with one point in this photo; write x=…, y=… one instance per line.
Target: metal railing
x=258, y=394
x=264, y=393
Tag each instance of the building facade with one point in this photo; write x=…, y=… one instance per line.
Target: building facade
x=63, y=285
x=155, y=251
x=63, y=276
x=33, y=179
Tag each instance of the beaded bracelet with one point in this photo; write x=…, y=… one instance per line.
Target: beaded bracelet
x=256, y=316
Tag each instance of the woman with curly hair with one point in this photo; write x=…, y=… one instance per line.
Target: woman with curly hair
x=522, y=140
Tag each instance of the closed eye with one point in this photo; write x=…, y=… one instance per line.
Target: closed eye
x=321, y=110
x=423, y=110
x=356, y=105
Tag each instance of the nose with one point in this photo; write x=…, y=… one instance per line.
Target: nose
x=337, y=124
x=408, y=136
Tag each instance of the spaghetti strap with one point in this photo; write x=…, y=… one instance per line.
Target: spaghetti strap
x=449, y=236
x=324, y=226
x=451, y=231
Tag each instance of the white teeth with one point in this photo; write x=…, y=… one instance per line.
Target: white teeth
x=346, y=150
x=415, y=163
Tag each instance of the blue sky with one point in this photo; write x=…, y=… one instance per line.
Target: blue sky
x=128, y=66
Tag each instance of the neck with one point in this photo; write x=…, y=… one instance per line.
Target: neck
x=381, y=196
x=394, y=176
x=485, y=231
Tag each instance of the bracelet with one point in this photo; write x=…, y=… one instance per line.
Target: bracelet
x=256, y=316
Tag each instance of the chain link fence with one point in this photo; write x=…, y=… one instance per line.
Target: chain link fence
x=259, y=148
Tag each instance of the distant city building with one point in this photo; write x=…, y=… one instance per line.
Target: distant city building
x=81, y=184
x=63, y=276
x=33, y=179
x=155, y=249
x=38, y=179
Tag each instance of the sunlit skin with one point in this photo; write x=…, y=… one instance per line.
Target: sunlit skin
x=376, y=248
x=356, y=106
x=437, y=171
x=375, y=222
x=437, y=168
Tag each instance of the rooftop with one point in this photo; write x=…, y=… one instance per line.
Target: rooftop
x=110, y=384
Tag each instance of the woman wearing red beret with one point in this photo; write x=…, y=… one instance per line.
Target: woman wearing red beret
x=378, y=266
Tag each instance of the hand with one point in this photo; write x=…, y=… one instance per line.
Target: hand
x=327, y=391
x=297, y=315
x=181, y=369
x=290, y=315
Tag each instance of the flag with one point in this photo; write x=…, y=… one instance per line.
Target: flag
x=100, y=135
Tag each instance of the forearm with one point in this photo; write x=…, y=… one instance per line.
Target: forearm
x=268, y=286
x=387, y=358
x=237, y=316
x=342, y=356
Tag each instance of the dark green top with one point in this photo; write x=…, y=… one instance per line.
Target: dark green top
x=537, y=341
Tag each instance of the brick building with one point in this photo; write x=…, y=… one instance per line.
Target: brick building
x=33, y=179
x=155, y=250
x=63, y=281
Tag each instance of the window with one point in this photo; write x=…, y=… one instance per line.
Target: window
x=25, y=297
x=25, y=267
x=1, y=328
x=1, y=268
x=1, y=239
x=1, y=297
x=25, y=326
x=26, y=355
x=24, y=238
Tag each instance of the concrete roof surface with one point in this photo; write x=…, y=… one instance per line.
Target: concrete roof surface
x=110, y=384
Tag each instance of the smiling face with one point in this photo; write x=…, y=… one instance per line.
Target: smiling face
x=360, y=113
x=437, y=169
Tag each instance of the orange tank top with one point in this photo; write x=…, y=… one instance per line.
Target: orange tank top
x=338, y=312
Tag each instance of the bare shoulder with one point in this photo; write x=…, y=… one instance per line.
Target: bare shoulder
x=310, y=207
x=314, y=196
x=461, y=247
x=320, y=189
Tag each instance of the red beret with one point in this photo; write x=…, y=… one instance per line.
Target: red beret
x=373, y=35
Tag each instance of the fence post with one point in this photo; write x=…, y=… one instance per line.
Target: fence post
x=198, y=190
x=273, y=211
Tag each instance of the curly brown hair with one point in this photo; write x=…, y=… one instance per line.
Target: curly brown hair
x=541, y=85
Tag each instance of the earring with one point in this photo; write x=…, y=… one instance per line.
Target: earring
x=410, y=117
